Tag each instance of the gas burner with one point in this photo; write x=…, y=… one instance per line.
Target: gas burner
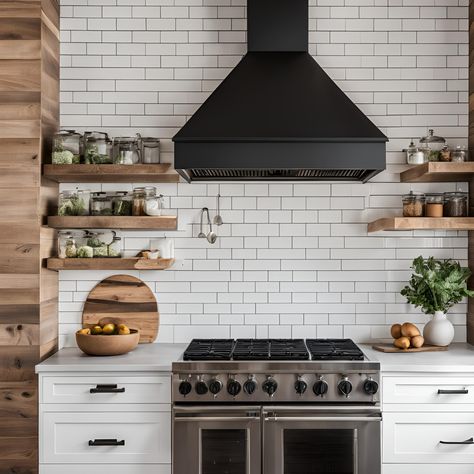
x=270, y=349
x=334, y=349
x=209, y=349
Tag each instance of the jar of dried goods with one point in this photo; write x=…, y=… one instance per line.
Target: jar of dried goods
x=456, y=204
x=101, y=204
x=140, y=195
x=413, y=204
x=434, y=205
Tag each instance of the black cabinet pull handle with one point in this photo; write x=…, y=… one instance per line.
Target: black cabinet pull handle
x=468, y=441
x=106, y=442
x=107, y=388
x=463, y=391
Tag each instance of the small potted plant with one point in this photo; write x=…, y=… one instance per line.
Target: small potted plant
x=435, y=286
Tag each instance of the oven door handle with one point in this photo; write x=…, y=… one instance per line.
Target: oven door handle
x=201, y=419
x=323, y=418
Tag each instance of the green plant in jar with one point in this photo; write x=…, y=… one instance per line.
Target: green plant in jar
x=72, y=203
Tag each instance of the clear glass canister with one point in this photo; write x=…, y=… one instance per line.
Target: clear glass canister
x=150, y=150
x=67, y=247
x=432, y=145
x=126, y=151
x=154, y=205
x=413, y=204
x=114, y=248
x=74, y=203
x=434, y=205
x=140, y=195
x=122, y=204
x=67, y=148
x=101, y=204
x=415, y=155
x=445, y=154
x=456, y=204
x=459, y=154
x=97, y=148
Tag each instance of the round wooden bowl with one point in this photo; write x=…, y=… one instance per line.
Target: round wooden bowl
x=101, y=345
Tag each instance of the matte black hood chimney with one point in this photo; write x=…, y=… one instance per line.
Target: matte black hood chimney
x=278, y=115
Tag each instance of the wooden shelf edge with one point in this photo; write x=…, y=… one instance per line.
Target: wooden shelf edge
x=421, y=223
x=114, y=222
x=134, y=263
x=438, y=171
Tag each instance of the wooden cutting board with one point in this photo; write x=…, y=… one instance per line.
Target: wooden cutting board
x=394, y=350
x=123, y=299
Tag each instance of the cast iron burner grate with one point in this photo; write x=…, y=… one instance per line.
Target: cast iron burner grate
x=334, y=349
x=270, y=349
x=209, y=349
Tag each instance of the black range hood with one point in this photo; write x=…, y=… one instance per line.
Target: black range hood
x=278, y=115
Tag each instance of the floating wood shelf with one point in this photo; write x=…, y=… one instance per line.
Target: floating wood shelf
x=114, y=222
x=111, y=173
x=109, y=263
x=422, y=223
x=437, y=171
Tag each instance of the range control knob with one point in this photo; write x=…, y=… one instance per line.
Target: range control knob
x=270, y=386
x=233, y=387
x=345, y=387
x=300, y=386
x=371, y=387
x=250, y=386
x=215, y=386
x=201, y=388
x=320, y=388
x=185, y=388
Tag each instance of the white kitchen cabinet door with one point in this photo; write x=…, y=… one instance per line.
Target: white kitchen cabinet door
x=426, y=469
x=443, y=390
x=65, y=437
x=129, y=389
x=105, y=469
x=414, y=438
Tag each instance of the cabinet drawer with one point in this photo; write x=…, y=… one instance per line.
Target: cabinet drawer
x=425, y=469
x=434, y=390
x=146, y=436
x=414, y=438
x=107, y=389
x=105, y=468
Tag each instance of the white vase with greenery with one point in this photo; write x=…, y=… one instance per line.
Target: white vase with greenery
x=435, y=286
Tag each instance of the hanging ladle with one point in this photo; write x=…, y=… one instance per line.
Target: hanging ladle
x=217, y=218
x=201, y=234
x=211, y=236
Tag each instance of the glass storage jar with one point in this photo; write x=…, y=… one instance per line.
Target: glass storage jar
x=67, y=247
x=154, y=205
x=140, y=195
x=97, y=148
x=415, y=155
x=434, y=205
x=114, y=248
x=74, y=203
x=456, y=204
x=432, y=145
x=150, y=150
x=445, y=154
x=413, y=204
x=459, y=154
x=101, y=204
x=67, y=148
x=122, y=204
x=126, y=151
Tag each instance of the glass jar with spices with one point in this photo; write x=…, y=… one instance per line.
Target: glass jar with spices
x=140, y=195
x=74, y=203
x=432, y=145
x=101, y=204
x=459, y=154
x=445, y=154
x=434, y=205
x=150, y=150
x=122, y=204
x=66, y=245
x=415, y=155
x=97, y=148
x=456, y=204
x=126, y=151
x=67, y=148
x=413, y=204
x=154, y=205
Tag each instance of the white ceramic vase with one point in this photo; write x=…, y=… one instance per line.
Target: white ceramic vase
x=439, y=331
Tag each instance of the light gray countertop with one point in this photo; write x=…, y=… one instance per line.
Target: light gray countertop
x=458, y=358
x=145, y=358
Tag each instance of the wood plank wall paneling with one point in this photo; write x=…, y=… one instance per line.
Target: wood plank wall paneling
x=29, y=115
x=470, y=312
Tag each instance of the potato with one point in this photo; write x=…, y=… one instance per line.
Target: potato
x=410, y=330
x=402, y=342
x=417, y=341
x=396, y=331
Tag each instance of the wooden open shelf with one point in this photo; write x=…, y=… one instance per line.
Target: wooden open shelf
x=114, y=222
x=422, y=223
x=437, y=171
x=109, y=263
x=111, y=173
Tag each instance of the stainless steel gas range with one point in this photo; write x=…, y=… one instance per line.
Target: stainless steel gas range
x=274, y=406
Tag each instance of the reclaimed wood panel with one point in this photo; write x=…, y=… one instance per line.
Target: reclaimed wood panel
x=16, y=75
x=19, y=258
x=18, y=334
x=20, y=9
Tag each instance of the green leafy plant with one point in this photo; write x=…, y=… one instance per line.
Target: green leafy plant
x=437, y=285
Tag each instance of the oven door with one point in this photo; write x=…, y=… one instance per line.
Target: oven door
x=321, y=440
x=216, y=440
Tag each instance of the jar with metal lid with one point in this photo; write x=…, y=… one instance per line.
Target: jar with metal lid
x=114, y=247
x=97, y=148
x=434, y=205
x=74, y=203
x=459, y=154
x=101, y=204
x=432, y=145
x=67, y=148
x=150, y=150
x=445, y=154
x=413, y=204
x=140, y=195
x=127, y=151
x=67, y=247
x=154, y=205
x=415, y=155
x=122, y=204
x=456, y=204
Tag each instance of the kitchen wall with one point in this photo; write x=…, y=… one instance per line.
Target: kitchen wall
x=292, y=259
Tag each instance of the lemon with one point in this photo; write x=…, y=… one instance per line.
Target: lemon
x=84, y=331
x=96, y=330
x=108, y=329
x=123, y=329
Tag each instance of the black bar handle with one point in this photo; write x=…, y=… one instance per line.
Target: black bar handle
x=107, y=388
x=106, y=442
x=468, y=441
x=463, y=391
